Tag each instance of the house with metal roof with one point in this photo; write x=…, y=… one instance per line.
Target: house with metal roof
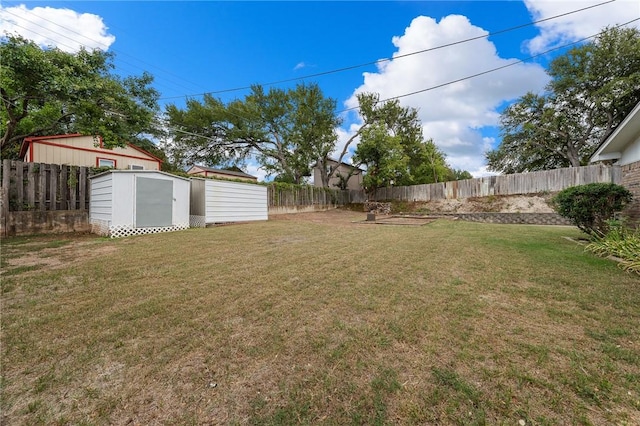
x=88, y=151
x=203, y=171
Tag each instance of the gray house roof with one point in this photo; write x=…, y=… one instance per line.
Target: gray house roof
x=221, y=171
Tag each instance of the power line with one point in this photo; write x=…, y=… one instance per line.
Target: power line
x=177, y=84
x=494, y=69
x=453, y=81
x=379, y=61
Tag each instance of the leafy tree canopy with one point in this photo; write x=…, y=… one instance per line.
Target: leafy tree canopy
x=286, y=130
x=48, y=91
x=593, y=87
x=393, y=149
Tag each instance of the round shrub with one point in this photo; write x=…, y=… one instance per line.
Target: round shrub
x=590, y=206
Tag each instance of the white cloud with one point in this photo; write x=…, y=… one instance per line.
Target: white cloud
x=299, y=66
x=254, y=169
x=454, y=114
x=63, y=28
x=578, y=25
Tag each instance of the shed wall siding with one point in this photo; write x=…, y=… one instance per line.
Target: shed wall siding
x=235, y=202
x=101, y=198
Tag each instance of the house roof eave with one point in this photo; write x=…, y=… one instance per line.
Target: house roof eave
x=623, y=134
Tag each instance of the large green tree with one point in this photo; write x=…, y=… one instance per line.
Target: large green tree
x=593, y=87
x=387, y=116
x=286, y=130
x=392, y=147
x=48, y=91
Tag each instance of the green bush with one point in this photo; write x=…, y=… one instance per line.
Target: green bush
x=590, y=206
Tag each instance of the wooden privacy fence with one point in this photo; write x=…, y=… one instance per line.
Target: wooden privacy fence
x=306, y=196
x=44, y=187
x=514, y=184
x=50, y=187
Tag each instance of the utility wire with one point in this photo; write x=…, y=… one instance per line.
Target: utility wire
x=494, y=69
x=90, y=39
x=379, y=61
x=449, y=82
x=410, y=54
x=335, y=70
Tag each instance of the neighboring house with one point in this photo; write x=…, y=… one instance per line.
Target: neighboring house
x=343, y=169
x=222, y=174
x=622, y=148
x=79, y=150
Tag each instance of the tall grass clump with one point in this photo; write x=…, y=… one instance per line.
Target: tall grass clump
x=620, y=242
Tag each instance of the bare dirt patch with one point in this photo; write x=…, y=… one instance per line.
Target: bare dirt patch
x=491, y=204
x=334, y=216
x=50, y=251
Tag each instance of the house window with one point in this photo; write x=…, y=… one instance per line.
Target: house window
x=136, y=167
x=105, y=162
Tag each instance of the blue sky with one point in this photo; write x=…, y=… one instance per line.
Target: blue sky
x=206, y=46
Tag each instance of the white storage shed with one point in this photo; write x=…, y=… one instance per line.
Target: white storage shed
x=135, y=202
x=220, y=201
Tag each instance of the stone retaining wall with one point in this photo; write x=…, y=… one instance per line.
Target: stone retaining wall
x=377, y=207
x=512, y=218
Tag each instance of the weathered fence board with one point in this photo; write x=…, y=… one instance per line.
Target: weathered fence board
x=48, y=187
x=19, y=188
x=83, y=187
x=514, y=184
x=306, y=196
x=53, y=187
x=44, y=187
x=63, y=190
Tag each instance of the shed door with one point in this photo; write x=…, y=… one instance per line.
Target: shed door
x=154, y=202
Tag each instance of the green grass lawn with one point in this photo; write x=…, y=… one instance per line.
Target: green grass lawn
x=314, y=319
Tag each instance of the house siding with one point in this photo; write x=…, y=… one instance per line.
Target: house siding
x=631, y=181
x=83, y=151
x=354, y=182
x=235, y=202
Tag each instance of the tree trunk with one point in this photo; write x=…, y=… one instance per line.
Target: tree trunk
x=572, y=155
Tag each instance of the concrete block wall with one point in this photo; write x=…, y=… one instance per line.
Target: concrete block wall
x=513, y=218
x=45, y=222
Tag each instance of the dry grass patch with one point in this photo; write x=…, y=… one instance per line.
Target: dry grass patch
x=315, y=319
